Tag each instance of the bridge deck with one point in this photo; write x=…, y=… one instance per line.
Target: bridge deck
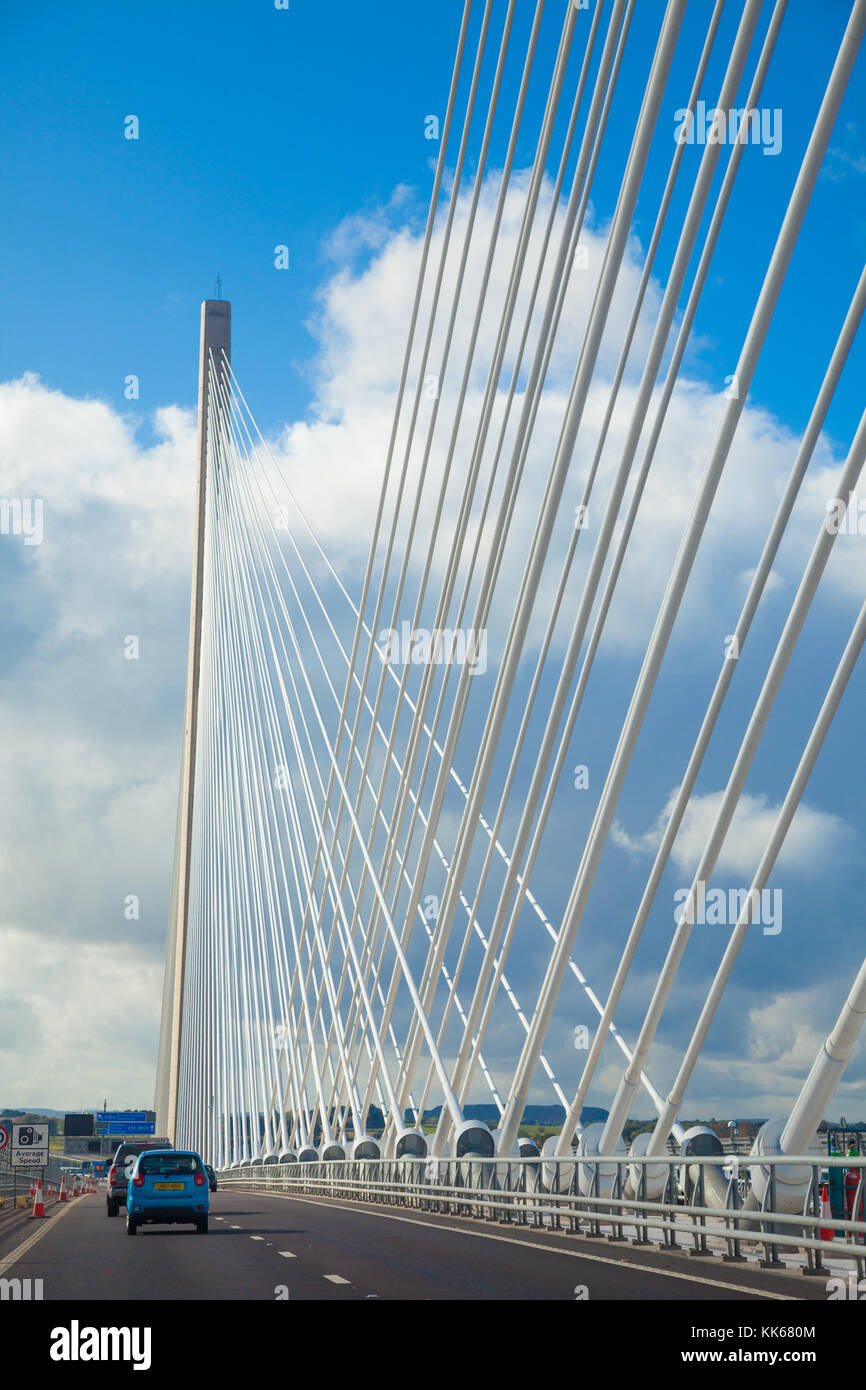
x=319, y=1249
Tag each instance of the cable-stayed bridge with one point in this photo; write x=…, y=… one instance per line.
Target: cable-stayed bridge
x=370, y=821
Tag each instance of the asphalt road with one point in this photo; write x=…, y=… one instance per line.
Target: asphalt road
x=261, y=1247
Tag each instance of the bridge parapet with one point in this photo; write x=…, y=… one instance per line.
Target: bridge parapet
x=550, y=1194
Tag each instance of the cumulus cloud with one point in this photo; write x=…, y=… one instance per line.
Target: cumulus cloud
x=815, y=838
x=333, y=460
x=88, y=779
x=85, y=1017
x=89, y=775
x=782, y=1038
x=81, y=456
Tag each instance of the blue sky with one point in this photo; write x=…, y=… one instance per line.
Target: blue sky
x=108, y=245
x=261, y=127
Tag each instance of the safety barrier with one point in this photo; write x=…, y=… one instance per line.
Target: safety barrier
x=17, y=1185
x=605, y=1198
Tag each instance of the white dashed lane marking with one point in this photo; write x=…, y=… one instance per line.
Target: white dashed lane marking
x=288, y=1255
x=336, y=1279
x=550, y=1249
x=235, y=1228
x=256, y=1237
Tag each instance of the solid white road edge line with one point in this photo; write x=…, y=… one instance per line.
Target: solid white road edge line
x=552, y=1249
x=31, y=1240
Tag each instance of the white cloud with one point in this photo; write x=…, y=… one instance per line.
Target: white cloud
x=814, y=839
x=334, y=460
x=782, y=1039
x=88, y=778
x=754, y=1070
x=88, y=1019
x=784, y=1031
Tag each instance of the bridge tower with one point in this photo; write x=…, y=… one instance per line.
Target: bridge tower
x=215, y=349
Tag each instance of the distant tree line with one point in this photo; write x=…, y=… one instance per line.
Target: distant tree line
x=33, y=1117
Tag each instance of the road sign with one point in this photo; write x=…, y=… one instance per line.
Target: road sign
x=29, y=1146
x=4, y=1136
x=133, y=1116
x=133, y=1127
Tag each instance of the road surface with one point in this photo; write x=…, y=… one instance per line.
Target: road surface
x=265, y=1246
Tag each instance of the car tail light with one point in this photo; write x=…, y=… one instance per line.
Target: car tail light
x=199, y=1179
x=112, y=1172
x=138, y=1180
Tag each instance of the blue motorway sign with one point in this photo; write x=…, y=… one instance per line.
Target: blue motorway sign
x=133, y=1127
x=108, y=1115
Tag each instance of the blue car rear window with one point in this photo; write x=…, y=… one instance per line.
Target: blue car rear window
x=163, y=1165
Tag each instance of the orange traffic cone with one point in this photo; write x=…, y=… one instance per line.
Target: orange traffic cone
x=64, y=1195
x=827, y=1232
x=38, y=1203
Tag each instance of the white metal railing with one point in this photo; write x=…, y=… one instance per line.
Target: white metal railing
x=603, y=1196
x=17, y=1182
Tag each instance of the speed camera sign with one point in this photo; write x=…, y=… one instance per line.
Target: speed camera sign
x=29, y=1146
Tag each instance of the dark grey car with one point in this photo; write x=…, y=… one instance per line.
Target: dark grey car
x=121, y=1170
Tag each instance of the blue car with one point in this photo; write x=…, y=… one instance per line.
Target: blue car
x=167, y=1186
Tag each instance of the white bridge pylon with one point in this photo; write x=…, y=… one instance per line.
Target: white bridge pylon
x=365, y=838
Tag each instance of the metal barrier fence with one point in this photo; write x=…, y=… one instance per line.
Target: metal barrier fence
x=606, y=1197
x=17, y=1182
x=9, y=1184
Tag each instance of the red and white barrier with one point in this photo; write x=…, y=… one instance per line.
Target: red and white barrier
x=38, y=1201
